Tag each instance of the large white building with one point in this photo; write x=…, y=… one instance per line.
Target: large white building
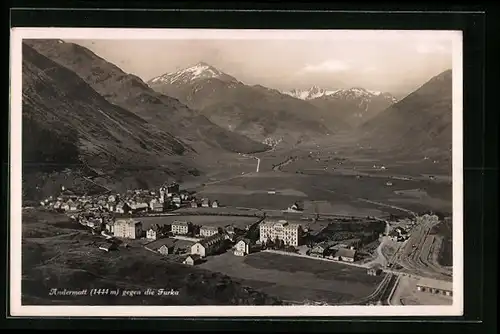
x=180, y=227
x=127, y=228
x=282, y=230
x=208, y=231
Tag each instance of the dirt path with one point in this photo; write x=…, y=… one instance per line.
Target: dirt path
x=388, y=206
x=284, y=163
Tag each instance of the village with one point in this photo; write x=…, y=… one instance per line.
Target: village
x=178, y=226
x=117, y=218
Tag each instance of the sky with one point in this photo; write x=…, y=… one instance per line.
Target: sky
x=397, y=63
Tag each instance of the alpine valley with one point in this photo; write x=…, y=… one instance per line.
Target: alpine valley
x=203, y=187
x=111, y=121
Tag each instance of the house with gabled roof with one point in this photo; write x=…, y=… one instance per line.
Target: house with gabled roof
x=209, y=245
x=153, y=232
x=205, y=202
x=318, y=250
x=192, y=260
x=243, y=247
x=344, y=254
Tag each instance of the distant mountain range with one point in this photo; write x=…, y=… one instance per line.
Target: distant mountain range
x=354, y=106
x=261, y=113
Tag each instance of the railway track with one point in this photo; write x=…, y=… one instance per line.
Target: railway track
x=378, y=294
x=416, y=260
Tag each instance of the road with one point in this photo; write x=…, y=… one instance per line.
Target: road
x=353, y=264
x=380, y=259
x=278, y=166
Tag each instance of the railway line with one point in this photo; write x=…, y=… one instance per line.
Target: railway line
x=380, y=294
x=417, y=255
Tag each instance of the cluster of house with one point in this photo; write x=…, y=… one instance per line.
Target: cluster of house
x=210, y=240
x=204, y=203
x=94, y=220
x=72, y=203
x=344, y=251
x=215, y=244
x=398, y=234
x=132, y=201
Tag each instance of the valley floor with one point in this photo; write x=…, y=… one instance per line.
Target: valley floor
x=327, y=180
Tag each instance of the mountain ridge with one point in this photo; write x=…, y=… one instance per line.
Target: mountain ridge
x=425, y=116
x=354, y=105
x=258, y=112
x=131, y=93
x=200, y=70
x=69, y=131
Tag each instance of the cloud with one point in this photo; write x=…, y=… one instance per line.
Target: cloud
x=331, y=65
x=432, y=48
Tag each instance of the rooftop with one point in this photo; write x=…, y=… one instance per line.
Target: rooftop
x=212, y=239
x=212, y=228
x=284, y=223
x=246, y=240
x=195, y=257
x=127, y=221
x=182, y=223
x=160, y=242
x=436, y=284
x=345, y=252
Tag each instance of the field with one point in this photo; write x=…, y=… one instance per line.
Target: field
x=340, y=174
x=296, y=279
x=59, y=254
x=219, y=221
x=366, y=231
x=339, y=191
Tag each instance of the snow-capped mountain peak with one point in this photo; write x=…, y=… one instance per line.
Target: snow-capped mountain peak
x=316, y=92
x=199, y=71
x=309, y=94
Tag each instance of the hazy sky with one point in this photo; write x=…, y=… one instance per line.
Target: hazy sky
x=396, y=65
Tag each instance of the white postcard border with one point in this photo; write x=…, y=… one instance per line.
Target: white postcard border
x=19, y=310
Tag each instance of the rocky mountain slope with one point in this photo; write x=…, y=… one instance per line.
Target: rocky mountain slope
x=420, y=124
x=258, y=112
x=132, y=94
x=354, y=106
x=55, y=98
x=67, y=124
